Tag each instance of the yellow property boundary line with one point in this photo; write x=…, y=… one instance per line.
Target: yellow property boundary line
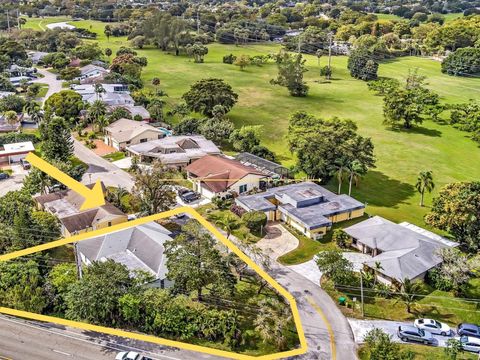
x=149, y=338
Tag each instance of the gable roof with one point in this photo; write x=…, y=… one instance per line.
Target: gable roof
x=407, y=251
x=138, y=248
x=124, y=130
x=221, y=171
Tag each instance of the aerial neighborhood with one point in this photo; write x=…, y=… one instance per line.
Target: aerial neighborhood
x=285, y=179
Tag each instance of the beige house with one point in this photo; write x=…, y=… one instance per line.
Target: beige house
x=65, y=205
x=124, y=132
x=307, y=207
x=218, y=176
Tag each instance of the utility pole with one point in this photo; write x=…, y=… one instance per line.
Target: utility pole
x=78, y=261
x=361, y=293
x=198, y=20
x=18, y=19
x=299, y=45
x=330, y=38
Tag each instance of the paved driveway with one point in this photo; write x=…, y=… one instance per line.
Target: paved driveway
x=361, y=327
x=15, y=181
x=54, y=85
x=278, y=241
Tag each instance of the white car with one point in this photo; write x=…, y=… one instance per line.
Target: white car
x=131, y=355
x=433, y=326
x=470, y=344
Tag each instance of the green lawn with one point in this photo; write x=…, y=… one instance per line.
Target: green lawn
x=448, y=17
x=401, y=155
x=119, y=155
x=421, y=352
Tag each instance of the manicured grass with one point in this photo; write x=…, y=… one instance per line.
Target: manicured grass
x=421, y=352
x=43, y=90
x=40, y=23
x=119, y=155
x=401, y=155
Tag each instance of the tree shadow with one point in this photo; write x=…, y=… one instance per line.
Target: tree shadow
x=380, y=190
x=418, y=130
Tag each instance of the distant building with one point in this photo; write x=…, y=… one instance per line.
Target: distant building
x=113, y=94
x=65, y=205
x=175, y=151
x=218, y=176
x=17, y=80
x=36, y=56
x=15, y=152
x=133, y=110
x=6, y=127
x=404, y=251
x=138, y=248
x=91, y=71
x=125, y=132
x=307, y=207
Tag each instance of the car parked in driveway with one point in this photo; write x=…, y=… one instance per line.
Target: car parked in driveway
x=466, y=329
x=25, y=164
x=433, y=326
x=412, y=333
x=470, y=343
x=4, y=176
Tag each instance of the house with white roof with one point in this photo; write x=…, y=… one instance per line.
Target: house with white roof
x=112, y=95
x=138, y=248
x=125, y=132
x=175, y=151
x=90, y=71
x=15, y=152
x=403, y=251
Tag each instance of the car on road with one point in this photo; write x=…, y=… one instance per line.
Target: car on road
x=4, y=176
x=433, y=326
x=470, y=343
x=25, y=164
x=412, y=333
x=465, y=329
x=128, y=355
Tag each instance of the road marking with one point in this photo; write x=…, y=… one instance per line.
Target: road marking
x=329, y=327
x=61, y=352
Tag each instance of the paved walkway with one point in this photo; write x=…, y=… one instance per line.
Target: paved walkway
x=278, y=241
x=50, y=79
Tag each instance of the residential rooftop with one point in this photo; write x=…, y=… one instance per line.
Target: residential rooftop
x=124, y=130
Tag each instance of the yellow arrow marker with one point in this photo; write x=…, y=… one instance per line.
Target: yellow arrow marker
x=93, y=197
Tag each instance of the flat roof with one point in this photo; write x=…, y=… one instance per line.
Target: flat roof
x=17, y=148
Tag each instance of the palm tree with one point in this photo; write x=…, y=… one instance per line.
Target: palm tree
x=377, y=268
x=97, y=110
x=356, y=169
x=228, y=222
x=339, y=169
x=408, y=292
x=102, y=122
x=272, y=322
x=98, y=88
x=11, y=117
x=36, y=115
x=115, y=196
x=424, y=183
x=155, y=108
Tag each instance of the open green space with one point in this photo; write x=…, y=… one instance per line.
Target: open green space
x=421, y=352
x=388, y=190
x=448, y=17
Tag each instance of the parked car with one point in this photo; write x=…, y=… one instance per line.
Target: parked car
x=470, y=343
x=433, y=326
x=4, y=176
x=466, y=329
x=128, y=355
x=411, y=333
x=25, y=164
x=189, y=196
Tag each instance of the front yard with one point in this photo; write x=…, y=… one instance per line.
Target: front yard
x=421, y=352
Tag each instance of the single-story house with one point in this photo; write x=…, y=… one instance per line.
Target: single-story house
x=15, y=152
x=138, y=248
x=89, y=71
x=6, y=127
x=112, y=95
x=36, y=56
x=133, y=110
x=65, y=205
x=403, y=251
x=307, y=207
x=175, y=151
x=16, y=70
x=124, y=132
x=17, y=80
x=218, y=176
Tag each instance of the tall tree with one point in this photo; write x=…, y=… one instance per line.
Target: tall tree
x=57, y=143
x=424, y=183
x=194, y=263
x=273, y=322
x=290, y=73
x=409, y=292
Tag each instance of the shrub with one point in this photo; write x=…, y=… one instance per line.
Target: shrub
x=326, y=71
x=255, y=220
x=463, y=62
x=91, y=135
x=229, y=59
x=342, y=239
x=14, y=137
x=237, y=210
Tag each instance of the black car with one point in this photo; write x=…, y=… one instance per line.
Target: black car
x=466, y=329
x=4, y=176
x=189, y=196
x=25, y=164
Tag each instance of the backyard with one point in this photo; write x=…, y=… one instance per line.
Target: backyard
x=388, y=190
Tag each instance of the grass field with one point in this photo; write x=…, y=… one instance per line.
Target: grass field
x=401, y=155
x=448, y=17
x=421, y=352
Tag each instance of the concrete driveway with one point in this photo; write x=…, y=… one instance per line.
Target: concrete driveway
x=15, y=181
x=361, y=327
x=54, y=85
x=278, y=241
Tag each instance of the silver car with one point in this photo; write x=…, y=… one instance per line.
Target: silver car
x=411, y=333
x=470, y=343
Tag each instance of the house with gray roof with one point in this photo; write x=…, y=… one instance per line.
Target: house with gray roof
x=307, y=207
x=175, y=151
x=138, y=248
x=403, y=251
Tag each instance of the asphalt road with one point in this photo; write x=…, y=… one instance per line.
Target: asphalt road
x=54, y=85
x=101, y=169
x=26, y=340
